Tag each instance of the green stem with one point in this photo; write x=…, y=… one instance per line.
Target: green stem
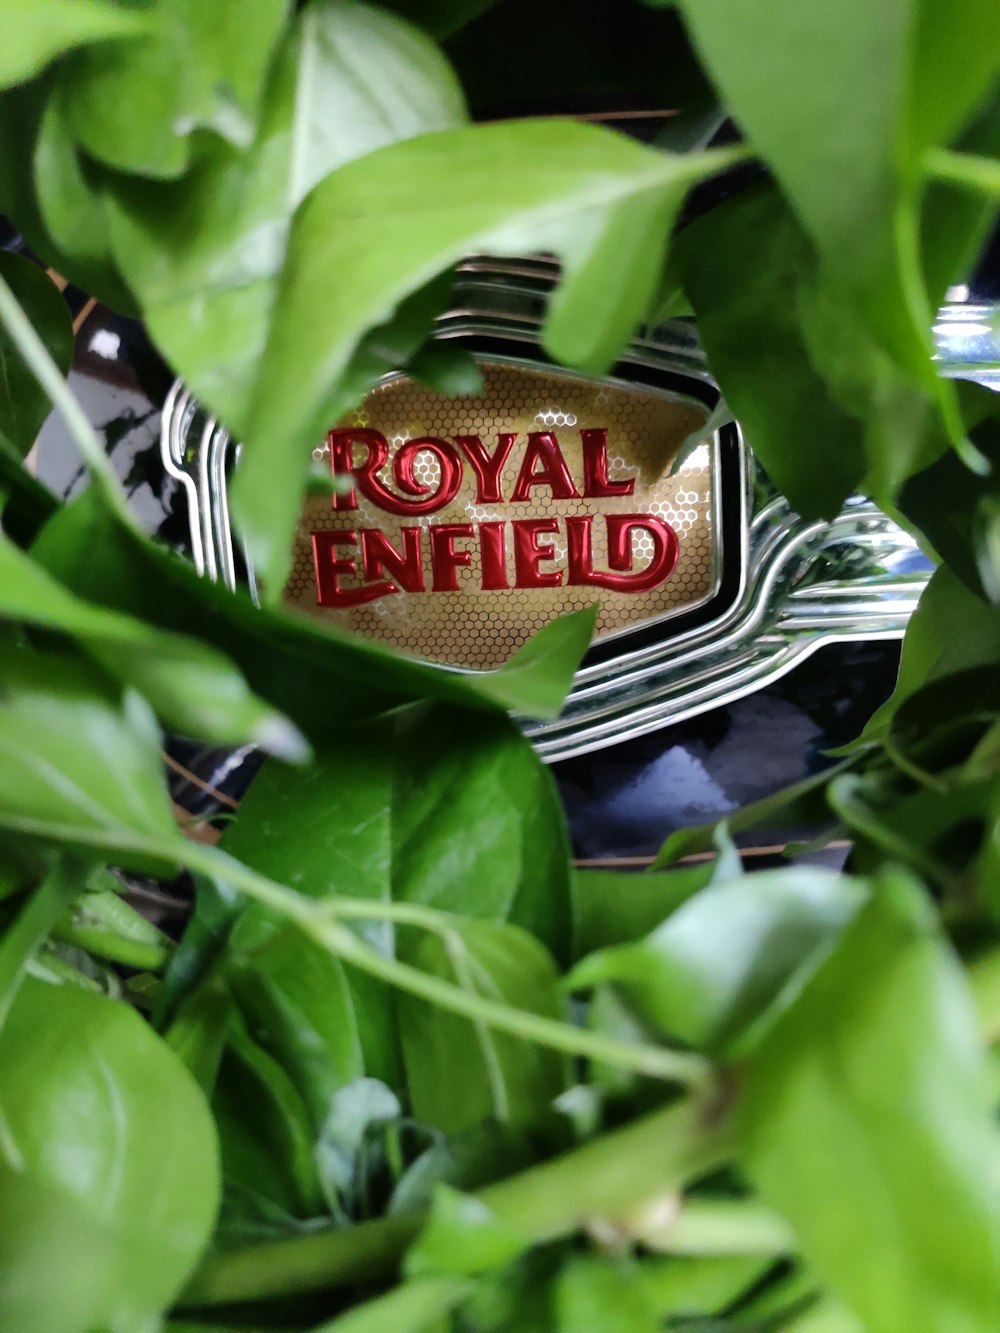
x=48, y=375
x=313, y=919
x=980, y=174
x=717, y=1226
x=31, y=927
x=608, y=1178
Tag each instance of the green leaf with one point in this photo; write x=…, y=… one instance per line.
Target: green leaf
x=502, y=1077
x=950, y=631
x=440, y=18
x=33, y=34
x=324, y=680
x=205, y=257
x=81, y=760
x=57, y=1266
x=380, y=228
x=77, y=236
x=25, y=504
x=745, y=266
x=191, y=686
x=730, y=957
x=95, y=1105
x=266, y=1135
x=851, y=166
x=24, y=405
x=410, y=1308
x=602, y=1296
x=32, y=925
x=355, y=1110
x=462, y=1237
x=869, y=1094
x=136, y=107
x=613, y=906
x=702, y=1286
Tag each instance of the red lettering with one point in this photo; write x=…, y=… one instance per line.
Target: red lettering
x=487, y=466
x=329, y=568
x=444, y=558
x=620, y=528
x=494, y=556
x=529, y=551
x=366, y=476
x=595, y=467
x=403, y=470
x=342, y=462
x=379, y=556
x=543, y=448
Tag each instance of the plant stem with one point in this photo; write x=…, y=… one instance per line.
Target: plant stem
x=48, y=375
x=981, y=174
x=716, y=1226
x=22, y=940
x=314, y=920
x=608, y=1177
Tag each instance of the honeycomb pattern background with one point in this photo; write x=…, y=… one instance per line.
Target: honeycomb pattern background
x=472, y=628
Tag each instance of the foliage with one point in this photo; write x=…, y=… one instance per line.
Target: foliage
x=437, y=1081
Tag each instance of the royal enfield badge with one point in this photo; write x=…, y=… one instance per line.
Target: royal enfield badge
x=454, y=528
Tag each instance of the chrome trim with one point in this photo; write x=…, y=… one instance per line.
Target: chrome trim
x=801, y=585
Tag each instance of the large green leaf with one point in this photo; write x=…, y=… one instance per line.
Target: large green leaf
x=137, y=106
x=380, y=228
x=731, y=956
x=205, y=256
x=420, y=808
x=850, y=165
x=58, y=1267
x=502, y=1078
x=867, y=1122
x=80, y=759
x=601, y=1296
x=323, y=679
x=410, y=1308
x=33, y=34
x=94, y=1104
x=190, y=685
x=24, y=405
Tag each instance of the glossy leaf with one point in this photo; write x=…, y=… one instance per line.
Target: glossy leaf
x=24, y=405
x=33, y=34
x=349, y=78
x=380, y=228
x=867, y=1122
x=503, y=1078
x=730, y=956
x=322, y=679
x=136, y=107
x=191, y=686
x=462, y=1237
x=95, y=1105
x=682, y=1286
x=81, y=760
